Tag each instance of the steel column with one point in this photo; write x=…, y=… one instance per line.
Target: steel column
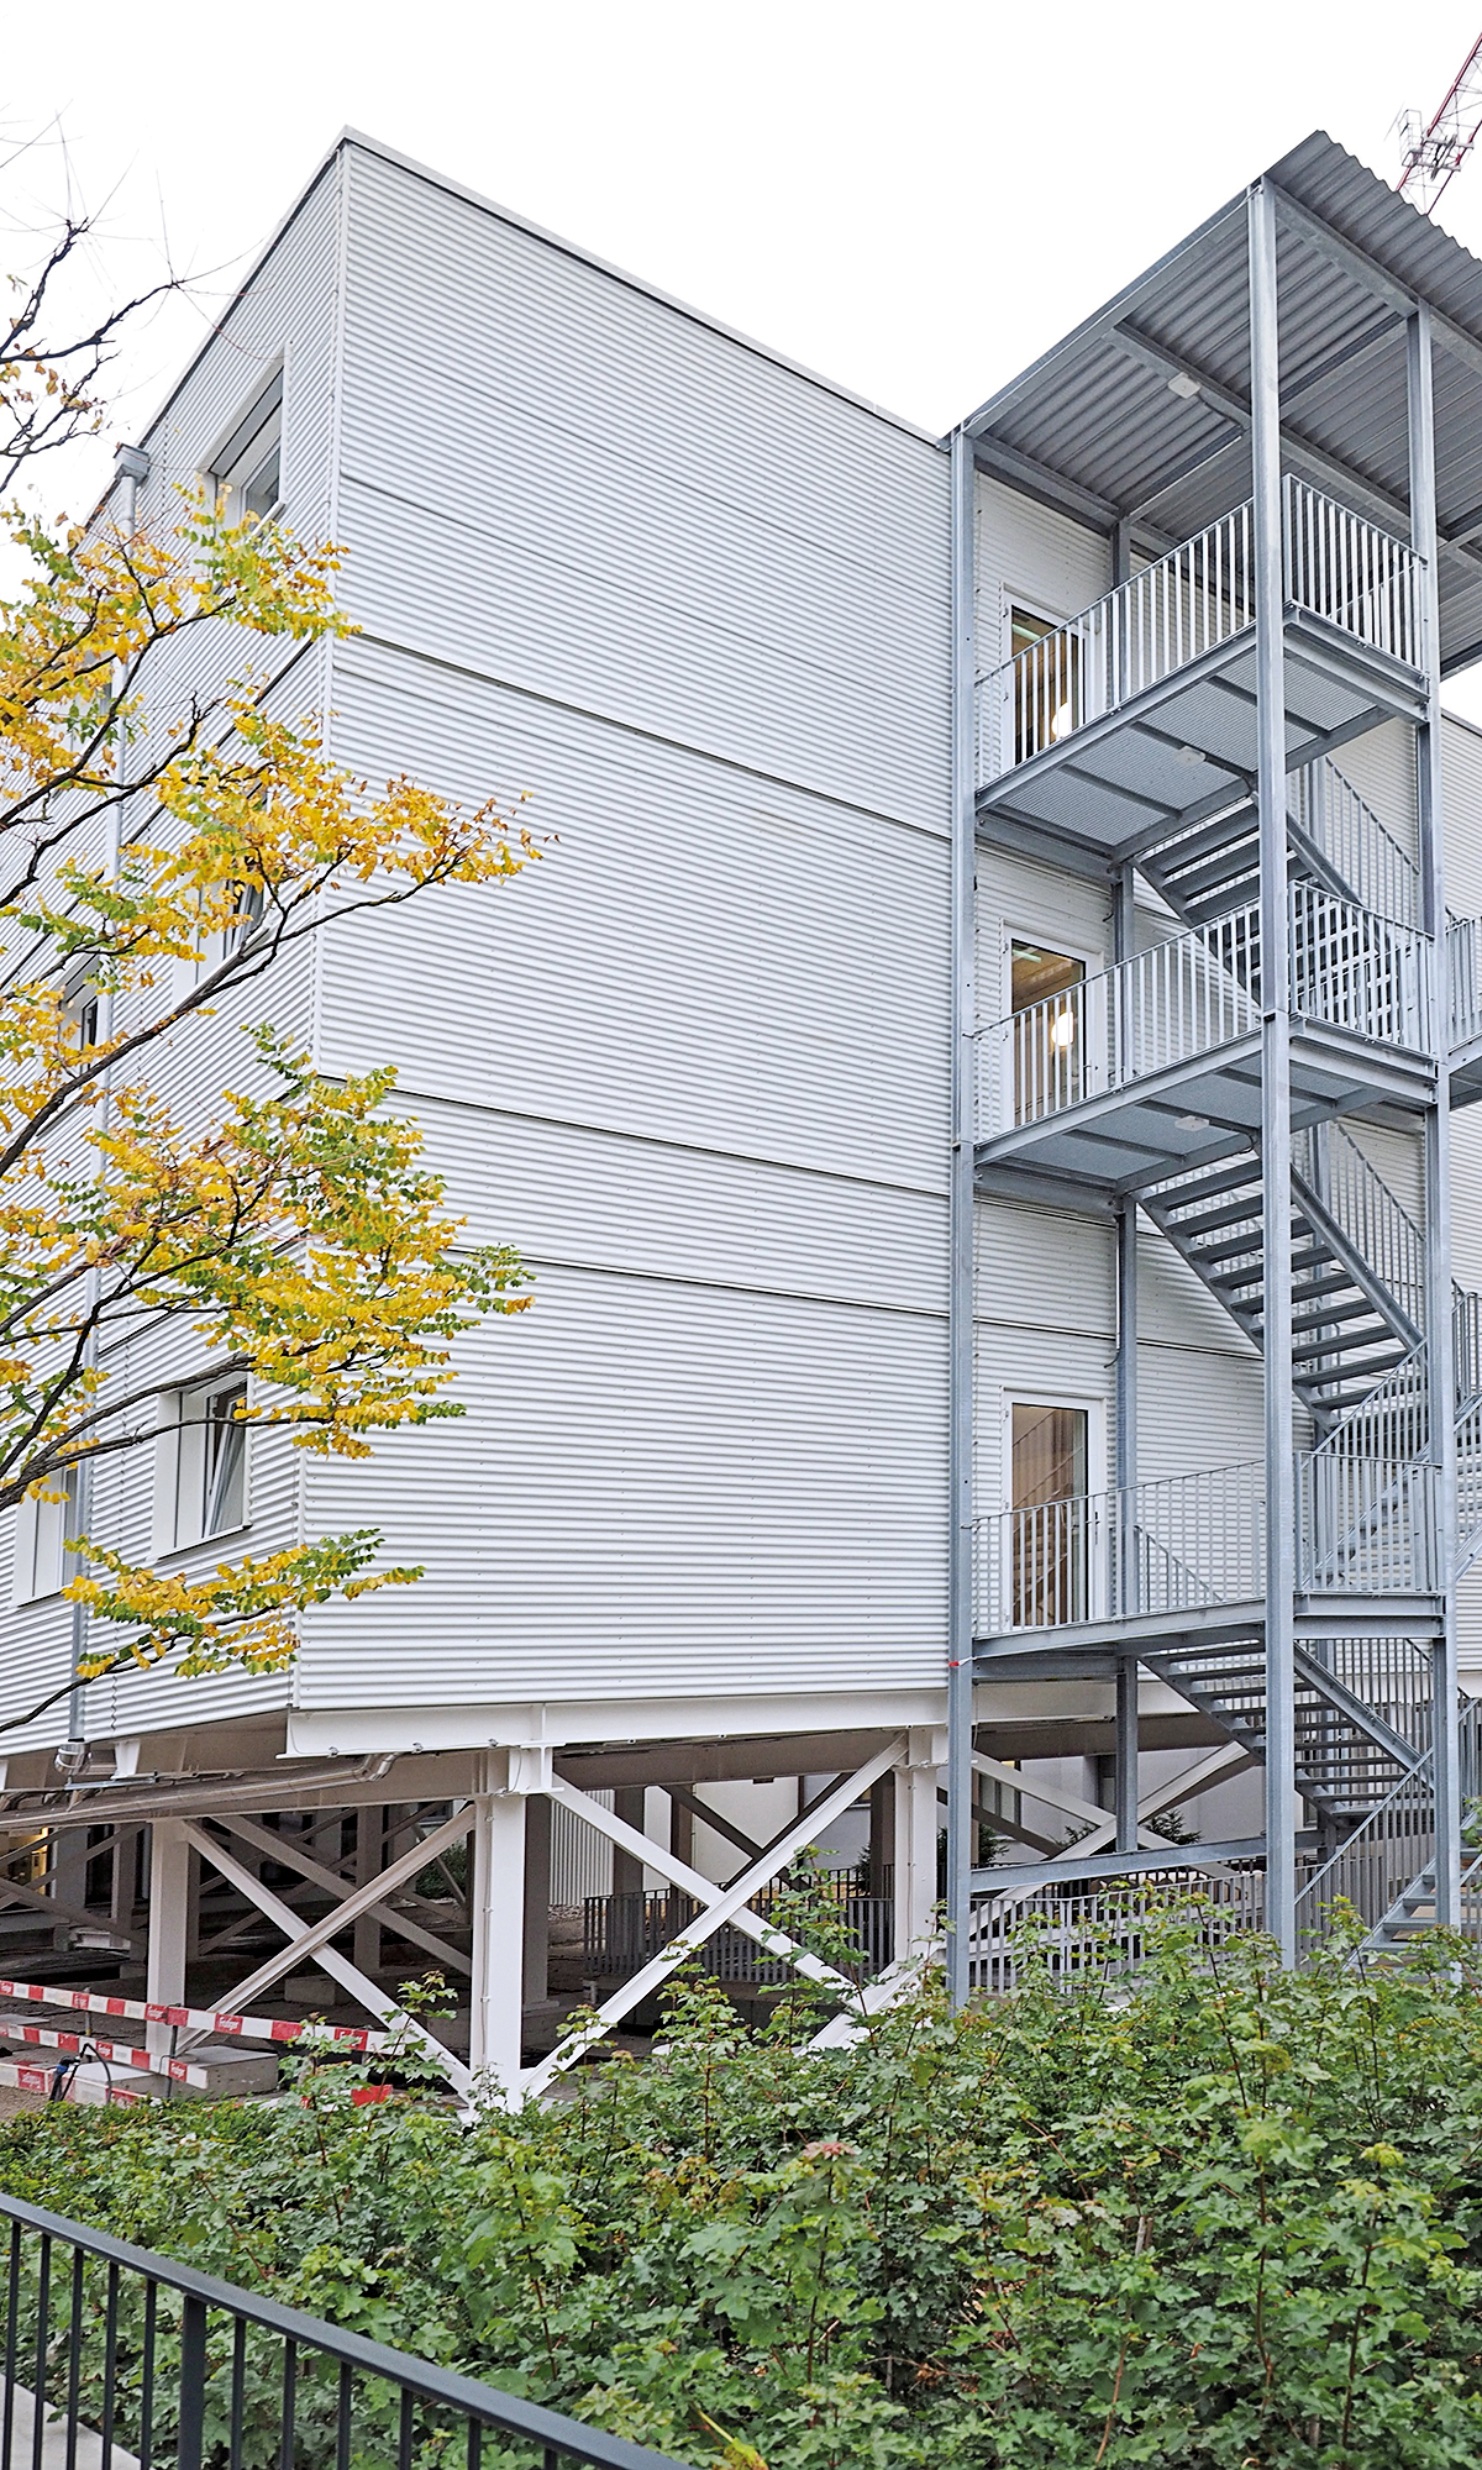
x=914, y=1891
x=497, y=1911
x=1446, y=1710
x=1276, y=1106
x=960, y=1847
x=169, y=1923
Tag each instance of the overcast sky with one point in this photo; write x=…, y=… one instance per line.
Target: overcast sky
x=914, y=200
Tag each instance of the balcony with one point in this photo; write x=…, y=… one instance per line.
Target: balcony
x=1140, y=713
x=1156, y=1063
x=1188, y=1554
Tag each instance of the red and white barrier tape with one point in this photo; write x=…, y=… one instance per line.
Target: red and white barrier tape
x=116, y=2053
x=30, y=2079
x=198, y=2019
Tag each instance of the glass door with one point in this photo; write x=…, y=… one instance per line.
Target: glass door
x=1049, y=1476
x=1048, y=1037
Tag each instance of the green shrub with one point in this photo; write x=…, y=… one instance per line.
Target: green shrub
x=1224, y=2220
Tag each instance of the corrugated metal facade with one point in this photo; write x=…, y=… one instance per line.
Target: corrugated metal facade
x=695, y=1063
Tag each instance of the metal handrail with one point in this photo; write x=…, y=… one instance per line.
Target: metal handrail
x=1338, y=567
x=1188, y=1543
x=1188, y=995
x=1411, y=1791
x=174, y=2405
x=1361, y=850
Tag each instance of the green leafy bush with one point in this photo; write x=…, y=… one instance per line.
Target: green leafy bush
x=1222, y=2218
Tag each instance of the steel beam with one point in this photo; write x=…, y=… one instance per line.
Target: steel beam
x=1276, y=1093
x=725, y=1904
x=400, y=1925
x=1446, y=1686
x=963, y=1203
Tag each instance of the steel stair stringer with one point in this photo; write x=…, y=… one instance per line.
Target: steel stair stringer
x=1349, y=1756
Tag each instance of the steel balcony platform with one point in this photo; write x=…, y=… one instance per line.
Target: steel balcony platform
x=1204, y=1108
x=1033, y=1655
x=1186, y=747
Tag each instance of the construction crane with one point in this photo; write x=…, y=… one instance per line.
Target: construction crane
x=1434, y=153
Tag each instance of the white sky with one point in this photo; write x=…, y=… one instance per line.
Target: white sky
x=914, y=200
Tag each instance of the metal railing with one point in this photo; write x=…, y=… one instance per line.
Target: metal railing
x=1191, y=994
x=1352, y=970
x=118, y=2359
x=1344, y=829
x=1349, y=571
x=1366, y=1525
x=1175, y=1545
x=1078, y=1935
x=1373, y=1867
x=1338, y=566
x=621, y=1932
x=1365, y=1211
x=1187, y=1543
x=1464, y=979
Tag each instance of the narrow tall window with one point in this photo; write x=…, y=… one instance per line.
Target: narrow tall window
x=1050, y=1459
x=45, y=1533
x=247, y=475
x=202, y=1479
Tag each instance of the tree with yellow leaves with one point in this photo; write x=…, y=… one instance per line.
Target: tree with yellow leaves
x=159, y=851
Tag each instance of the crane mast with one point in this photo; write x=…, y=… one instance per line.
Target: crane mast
x=1435, y=151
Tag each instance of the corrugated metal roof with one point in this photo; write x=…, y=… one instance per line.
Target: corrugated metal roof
x=1097, y=412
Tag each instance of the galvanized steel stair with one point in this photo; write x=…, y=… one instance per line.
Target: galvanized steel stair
x=1356, y=1341
x=1413, y=1911
x=1348, y=1756
x=1349, y=1331
x=1334, y=839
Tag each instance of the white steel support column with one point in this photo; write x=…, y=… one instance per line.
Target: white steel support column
x=914, y=1891
x=169, y=1924
x=1445, y=1715
x=960, y=1847
x=1276, y=1101
x=497, y=1912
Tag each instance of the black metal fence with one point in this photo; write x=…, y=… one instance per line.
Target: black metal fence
x=621, y=1932
x=116, y=2359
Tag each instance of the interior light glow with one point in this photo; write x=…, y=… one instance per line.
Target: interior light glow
x=1062, y=1030
x=1062, y=723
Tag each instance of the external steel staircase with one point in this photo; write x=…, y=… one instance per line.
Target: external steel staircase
x=1334, y=840
x=1350, y=1328
x=1361, y=1713
x=1359, y=1369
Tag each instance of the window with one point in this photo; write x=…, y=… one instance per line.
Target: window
x=251, y=900
x=1047, y=681
x=202, y=1486
x=247, y=474
x=80, y=1014
x=44, y=1532
x=1049, y=1039
x=1049, y=1474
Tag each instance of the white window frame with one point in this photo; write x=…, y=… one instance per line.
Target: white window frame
x=181, y=1508
x=1093, y=1015
x=43, y=1531
x=244, y=449
x=1093, y=1405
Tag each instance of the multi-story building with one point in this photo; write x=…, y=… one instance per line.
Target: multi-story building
x=975, y=1075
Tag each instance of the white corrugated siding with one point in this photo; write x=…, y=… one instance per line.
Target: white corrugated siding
x=695, y=1062
x=658, y=1488
x=1031, y=558
x=609, y=502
